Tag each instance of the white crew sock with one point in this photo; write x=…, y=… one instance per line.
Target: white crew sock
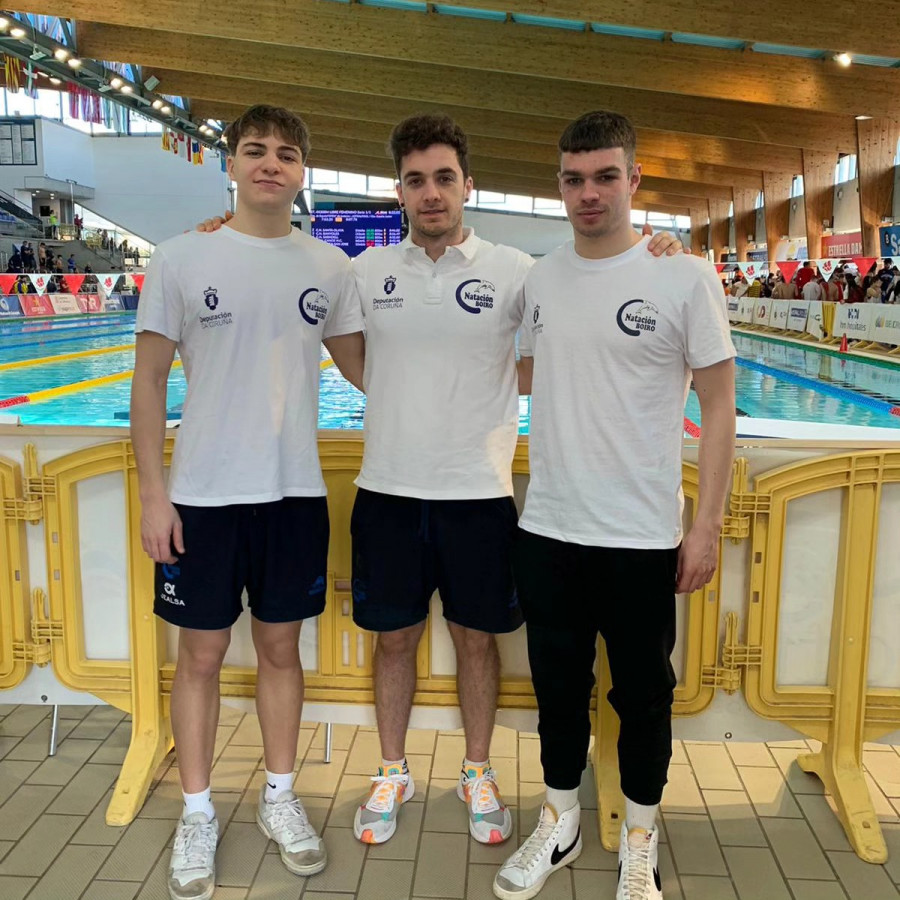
x=637, y=816
x=277, y=784
x=562, y=801
x=199, y=802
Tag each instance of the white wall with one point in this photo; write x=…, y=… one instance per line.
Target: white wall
x=65, y=153
x=847, y=215
x=530, y=234
x=154, y=194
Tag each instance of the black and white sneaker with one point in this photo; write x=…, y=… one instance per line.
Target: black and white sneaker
x=638, y=865
x=555, y=843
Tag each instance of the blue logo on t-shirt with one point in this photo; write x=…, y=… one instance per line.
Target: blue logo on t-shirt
x=313, y=305
x=475, y=295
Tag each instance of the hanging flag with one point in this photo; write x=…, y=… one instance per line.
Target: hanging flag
x=826, y=267
x=167, y=139
x=6, y=282
x=751, y=269
x=788, y=267
x=139, y=281
x=39, y=280
x=30, y=78
x=108, y=281
x=864, y=263
x=720, y=267
x=12, y=70
x=73, y=283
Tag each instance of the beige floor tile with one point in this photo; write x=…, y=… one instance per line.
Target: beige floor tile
x=365, y=754
x=892, y=839
x=22, y=720
x=136, y=853
x=274, y=882
x=817, y=890
x=317, y=895
x=14, y=888
x=113, y=890
x=346, y=856
x=35, y=852
x=405, y=842
x=768, y=792
x=593, y=856
x=875, y=747
x=796, y=848
x=441, y=871
x=587, y=790
x=386, y=879
x=5, y=847
x=234, y=768
x=450, y=750
x=70, y=874
x=240, y=852
x=821, y=814
x=36, y=744
x=20, y=812
x=530, y=768
x=74, y=712
x=679, y=757
x=444, y=811
x=319, y=779
x=223, y=736
x=94, y=829
x=799, y=782
x=693, y=845
x=7, y=708
x=504, y=742
x=248, y=733
x=671, y=886
x=589, y=885
x=733, y=819
x=506, y=769
x=114, y=748
x=755, y=873
x=13, y=773
x=883, y=807
x=681, y=793
x=862, y=880
x=713, y=767
x=230, y=715
x=797, y=744
x=746, y=754
x=703, y=887
x=303, y=741
x=83, y=792
x=233, y=893
x=342, y=737
x=98, y=724
x=885, y=769
x=8, y=744
x=165, y=800
x=71, y=755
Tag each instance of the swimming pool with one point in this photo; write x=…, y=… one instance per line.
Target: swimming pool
x=77, y=372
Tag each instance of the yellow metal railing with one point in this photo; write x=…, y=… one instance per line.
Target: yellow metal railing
x=842, y=713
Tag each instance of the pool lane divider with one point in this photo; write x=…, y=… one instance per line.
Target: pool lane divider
x=64, y=340
x=78, y=386
x=830, y=390
x=26, y=363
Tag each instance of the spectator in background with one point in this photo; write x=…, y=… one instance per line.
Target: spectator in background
x=42, y=257
x=769, y=285
x=812, y=290
x=58, y=264
x=872, y=288
x=78, y=222
x=88, y=268
x=53, y=286
x=28, y=260
x=804, y=274
x=739, y=286
x=854, y=290
x=72, y=267
x=54, y=227
x=15, y=261
x=755, y=288
x=834, y=289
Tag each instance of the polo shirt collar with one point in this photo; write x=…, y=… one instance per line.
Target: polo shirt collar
x=468, y=248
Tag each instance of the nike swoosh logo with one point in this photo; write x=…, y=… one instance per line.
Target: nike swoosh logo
x=558, y=854
x=269, y=783
x=656, y=878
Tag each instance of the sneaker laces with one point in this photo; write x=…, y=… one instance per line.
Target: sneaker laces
x=636, y=874
x=384, y=795
x=527, y=855
x=193, y=843
x=288, y=818
x=481, y=789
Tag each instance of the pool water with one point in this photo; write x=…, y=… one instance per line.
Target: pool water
x=775, y=380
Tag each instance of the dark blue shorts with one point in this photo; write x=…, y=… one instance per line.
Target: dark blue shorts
x=404, y=549
x=278, y=551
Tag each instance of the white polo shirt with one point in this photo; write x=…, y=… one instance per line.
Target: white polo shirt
x=442, y=399
x=614, y=342
x=248, y=315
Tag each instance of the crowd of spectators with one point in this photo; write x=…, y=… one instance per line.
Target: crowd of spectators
x=25, y=259
x=881, y=284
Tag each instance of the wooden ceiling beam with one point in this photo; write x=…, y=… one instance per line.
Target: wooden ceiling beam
x=580, y=57
x=500, y=92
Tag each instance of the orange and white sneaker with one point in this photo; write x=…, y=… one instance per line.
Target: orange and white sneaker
x=376, y=820
x=490, y=821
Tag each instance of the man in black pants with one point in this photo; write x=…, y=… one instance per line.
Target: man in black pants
x=616, y=335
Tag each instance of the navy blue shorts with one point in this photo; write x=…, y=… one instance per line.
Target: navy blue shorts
x=404, y=549
x=278, y=551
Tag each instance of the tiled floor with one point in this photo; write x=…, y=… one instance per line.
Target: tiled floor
x=739, y=821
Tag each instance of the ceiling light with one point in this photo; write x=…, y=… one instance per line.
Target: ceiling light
x=166, y=110
x=4, y=23
x=863, y=118
x=61, y=54
x=157, y=103
x=74, y=62
x=127, y=89
x=843, y=59
x=17, y=32
x=54, y=80
x=116, y=82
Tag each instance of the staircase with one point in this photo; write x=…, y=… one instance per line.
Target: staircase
x=29, y=225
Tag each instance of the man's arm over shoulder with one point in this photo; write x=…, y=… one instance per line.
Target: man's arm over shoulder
x=343, y=335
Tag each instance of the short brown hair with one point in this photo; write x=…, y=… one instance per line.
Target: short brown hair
x=599, y=130
x=263, y=120
x=424, y=131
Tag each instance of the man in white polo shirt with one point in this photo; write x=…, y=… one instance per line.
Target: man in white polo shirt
x=248, y=309
x=434, y=508
x=616, y=334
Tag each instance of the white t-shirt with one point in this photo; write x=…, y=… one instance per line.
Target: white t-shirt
x=614, y=342
x=812, y=290
x=441, y=387
x=248, y=315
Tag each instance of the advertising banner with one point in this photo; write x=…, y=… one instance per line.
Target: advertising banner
x=779, y=316
x=855, y=320
x=64, y=304
x=798, y=310
x=113, y=302
x=746, y=310
x=890, y=241
x=840, y=246
x=886, y=327
x=762, y=310
x=89, y=303
x=734, y=307
x=10, y=307
x=36, y=305
x=814, y=324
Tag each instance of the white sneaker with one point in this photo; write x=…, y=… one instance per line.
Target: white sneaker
x=376, y=820
x=192, y=868
x=638, y=865
x=285, y=822
x=490, y=821
x=555, y=843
